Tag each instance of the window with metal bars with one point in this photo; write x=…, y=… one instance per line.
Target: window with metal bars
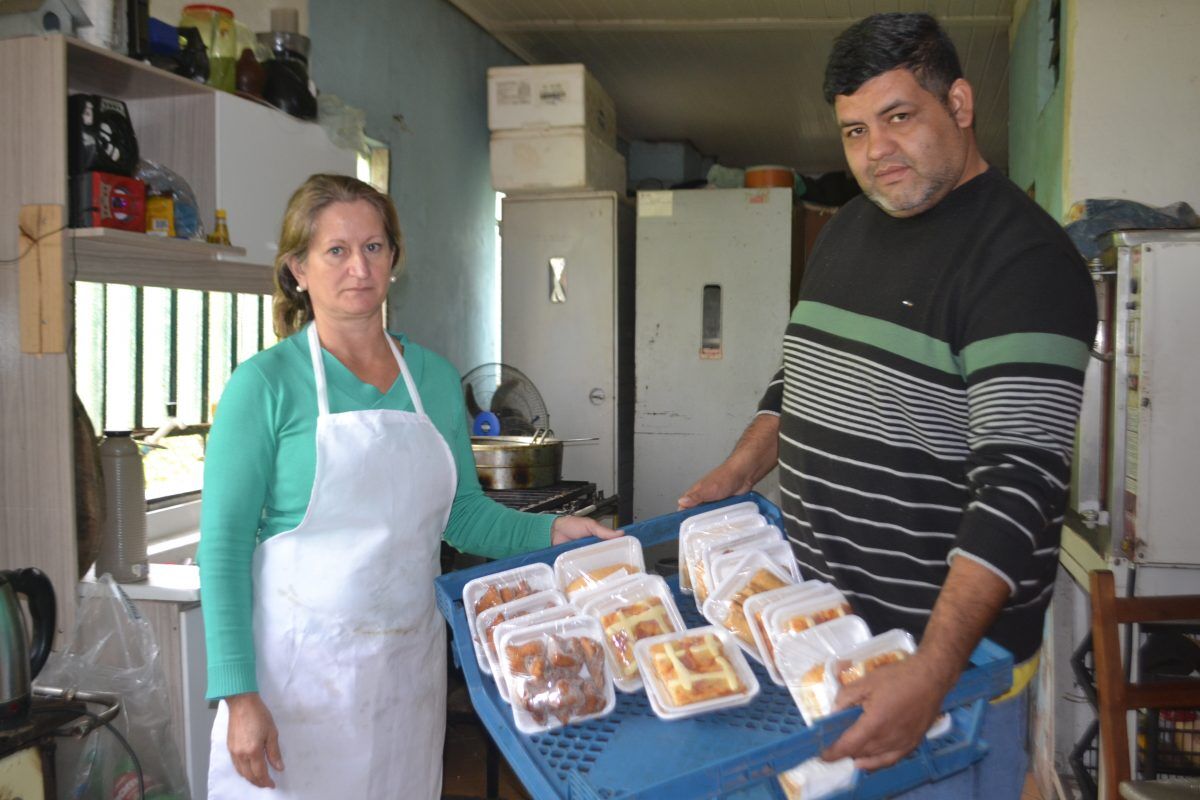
x=155, y=361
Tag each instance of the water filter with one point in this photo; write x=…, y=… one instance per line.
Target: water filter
x=123, y=535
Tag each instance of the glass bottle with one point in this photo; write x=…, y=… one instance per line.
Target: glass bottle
x=220, y=234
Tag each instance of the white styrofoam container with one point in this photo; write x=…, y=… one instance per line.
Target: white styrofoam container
x=550, y=96
x=555, y=159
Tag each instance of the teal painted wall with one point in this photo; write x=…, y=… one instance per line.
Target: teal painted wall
x=1036, y=132
x=426, y=62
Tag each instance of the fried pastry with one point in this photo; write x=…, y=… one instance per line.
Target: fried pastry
x=594, y=576
x=849, y=672
x=695, y=668
x=805, y=621
x=633, y=622
x=761, y=581
x=559, y=676
x=498, y=593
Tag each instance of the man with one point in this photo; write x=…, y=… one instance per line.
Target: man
x=923, y=419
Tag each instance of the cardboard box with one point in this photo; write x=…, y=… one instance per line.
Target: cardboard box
x=550, y=96
x=554, y=159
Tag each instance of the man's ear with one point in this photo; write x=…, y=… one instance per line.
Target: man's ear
x=960, y=100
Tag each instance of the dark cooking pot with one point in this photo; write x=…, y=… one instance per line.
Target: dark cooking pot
x=517, y=462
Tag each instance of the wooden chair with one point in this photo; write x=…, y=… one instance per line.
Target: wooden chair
x=1116, y=696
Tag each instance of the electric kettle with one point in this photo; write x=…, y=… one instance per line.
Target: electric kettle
x=18, y=665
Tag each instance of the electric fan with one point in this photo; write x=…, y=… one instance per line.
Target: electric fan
x=502, y=401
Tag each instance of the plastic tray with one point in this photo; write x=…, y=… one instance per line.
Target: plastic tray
x=735, y=753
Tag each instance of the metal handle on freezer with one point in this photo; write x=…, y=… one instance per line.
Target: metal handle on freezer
x=558, y=289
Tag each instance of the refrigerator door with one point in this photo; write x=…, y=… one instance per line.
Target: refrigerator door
x=561, y=285
x=713, y=270
x=1162, y=439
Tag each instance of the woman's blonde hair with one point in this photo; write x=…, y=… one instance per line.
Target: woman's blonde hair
x=292, y=307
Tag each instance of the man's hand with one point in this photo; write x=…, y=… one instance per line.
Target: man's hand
x=253, y=739
x=753, y=457
x=899, y=703
x=567, y=529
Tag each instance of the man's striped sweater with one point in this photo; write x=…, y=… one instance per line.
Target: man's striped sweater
x=928, y=397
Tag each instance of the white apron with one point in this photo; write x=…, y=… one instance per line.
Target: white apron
x=350, y=647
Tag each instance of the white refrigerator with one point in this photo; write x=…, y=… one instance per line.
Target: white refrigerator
x=713, y=273
x=566, y=321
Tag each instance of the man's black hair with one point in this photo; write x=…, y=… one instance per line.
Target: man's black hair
x=884, y=42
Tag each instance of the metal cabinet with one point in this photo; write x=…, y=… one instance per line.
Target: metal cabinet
x=567, y=322
x=713, y=272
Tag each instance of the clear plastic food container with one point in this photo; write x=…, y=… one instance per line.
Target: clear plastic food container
x=584, y=596
x=739, y=515
x=802, y=658
x=704, y=543
x=693, y=672
x=589, y=566
x=489, y=618
x=889, y=647
x=756, y=606
x=630, y=611
x=556, y=673
x=802, y=613
x=526, y=621
x=501, y=587
x=815, y=778
x=724, y=608
x=777, y=550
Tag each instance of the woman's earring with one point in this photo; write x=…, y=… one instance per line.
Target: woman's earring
x=392, y=279
x=301, y=289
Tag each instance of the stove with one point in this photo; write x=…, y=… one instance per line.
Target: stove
x=578, y=498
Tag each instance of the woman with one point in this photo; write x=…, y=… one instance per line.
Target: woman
x=338, y=461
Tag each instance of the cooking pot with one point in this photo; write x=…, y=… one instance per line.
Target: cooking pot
x=517, y=462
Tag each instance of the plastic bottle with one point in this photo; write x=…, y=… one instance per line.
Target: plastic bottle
x=123, y=535
x=220, y=234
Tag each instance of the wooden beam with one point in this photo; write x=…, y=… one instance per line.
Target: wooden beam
x=42, y=295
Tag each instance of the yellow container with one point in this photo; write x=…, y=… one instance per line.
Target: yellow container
x=216, y=27
x=160, y=216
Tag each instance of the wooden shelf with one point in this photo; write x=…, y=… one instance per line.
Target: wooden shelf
x=103, y=71
x=108, y=255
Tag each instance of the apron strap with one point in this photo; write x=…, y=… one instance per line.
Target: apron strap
x=408, y=379
x=314, y=349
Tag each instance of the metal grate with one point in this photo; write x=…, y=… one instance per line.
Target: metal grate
x=563, y=497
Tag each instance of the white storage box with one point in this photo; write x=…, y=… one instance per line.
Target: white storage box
x=554, y=159
x=550, y=96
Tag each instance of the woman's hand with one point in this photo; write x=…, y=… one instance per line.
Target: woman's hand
x=253, y=739
x=566, y=529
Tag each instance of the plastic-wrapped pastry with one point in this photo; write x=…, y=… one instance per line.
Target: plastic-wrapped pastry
x=488, y=619
x=556, y=673
x=739, y=515
x=724, y=605
x=694, y=669
x=599, y=575
x=595, y=564
x=489, y=591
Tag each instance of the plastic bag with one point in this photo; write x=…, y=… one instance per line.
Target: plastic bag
x=112, y=649
x=163, y=182
x=344, y=124
x=1090, y=221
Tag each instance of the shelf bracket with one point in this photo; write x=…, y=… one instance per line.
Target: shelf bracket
x=40, y=280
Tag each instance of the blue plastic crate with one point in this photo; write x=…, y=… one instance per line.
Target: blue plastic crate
x=631, y=753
